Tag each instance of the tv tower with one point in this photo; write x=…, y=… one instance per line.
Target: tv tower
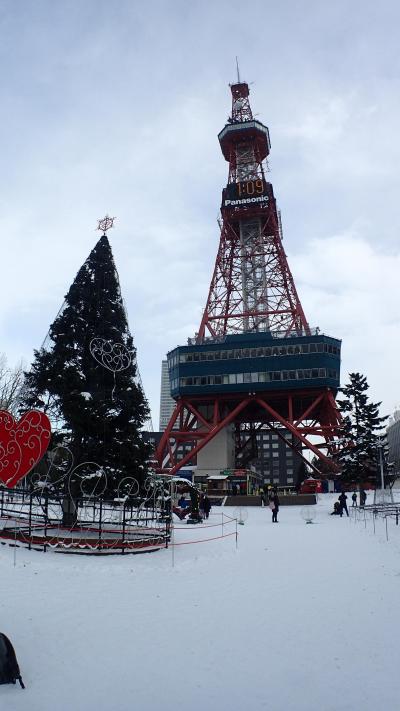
x=255, y=362
x=252, y=288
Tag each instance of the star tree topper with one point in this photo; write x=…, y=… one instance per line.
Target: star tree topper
x=105, y=224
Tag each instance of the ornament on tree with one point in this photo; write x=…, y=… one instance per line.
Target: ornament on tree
x=22, y=444
x=113, y=356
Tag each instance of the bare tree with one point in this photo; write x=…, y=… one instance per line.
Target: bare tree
x=11, y=382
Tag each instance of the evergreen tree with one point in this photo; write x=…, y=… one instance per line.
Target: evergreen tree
x=95, y=411
x=359, y=458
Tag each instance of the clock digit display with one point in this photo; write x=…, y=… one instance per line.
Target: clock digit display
x=246, y=192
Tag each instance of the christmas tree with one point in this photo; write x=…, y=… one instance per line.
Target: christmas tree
x=362, y=429
x=86, y=378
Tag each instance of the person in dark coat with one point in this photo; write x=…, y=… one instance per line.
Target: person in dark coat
x=206, y=506
x=274, y=505
x=363, y=498
x=336, y=509
x=354, y=499
x=343, y=503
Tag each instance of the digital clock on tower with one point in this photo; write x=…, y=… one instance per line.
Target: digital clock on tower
x=246, y=192
x=250, y=188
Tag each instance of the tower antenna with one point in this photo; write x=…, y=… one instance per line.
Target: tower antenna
x=237, y=69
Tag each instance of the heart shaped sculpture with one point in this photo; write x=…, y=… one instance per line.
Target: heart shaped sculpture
x=22, y=444
x=113, y=356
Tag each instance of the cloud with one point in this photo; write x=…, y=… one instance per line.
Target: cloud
x=116, y=107
x=351, y=290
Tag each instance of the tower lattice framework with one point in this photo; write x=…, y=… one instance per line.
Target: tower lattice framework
x=252, y=287
x=255, y=362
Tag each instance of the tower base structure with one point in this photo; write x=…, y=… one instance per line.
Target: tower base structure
x=253, y=379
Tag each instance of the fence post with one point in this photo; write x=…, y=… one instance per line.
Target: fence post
x=46, y=511
x=30, y=521
x=123, y=529
x=100, y=521
x=236, y=533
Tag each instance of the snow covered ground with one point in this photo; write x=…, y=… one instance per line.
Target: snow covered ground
x=297, y=618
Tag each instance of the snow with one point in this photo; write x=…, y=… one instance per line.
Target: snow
x=297, y=618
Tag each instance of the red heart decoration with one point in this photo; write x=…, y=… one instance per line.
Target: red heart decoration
x=22, y=444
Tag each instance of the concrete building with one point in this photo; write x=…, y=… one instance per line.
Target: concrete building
x=167, y=403
x=276, y=463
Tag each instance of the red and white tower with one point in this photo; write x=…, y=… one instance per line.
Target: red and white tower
x=252, y=288
x=255, y=362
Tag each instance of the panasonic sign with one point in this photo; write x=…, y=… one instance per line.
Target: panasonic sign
x=246, y=201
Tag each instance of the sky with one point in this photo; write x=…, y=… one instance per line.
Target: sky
x=115, y=107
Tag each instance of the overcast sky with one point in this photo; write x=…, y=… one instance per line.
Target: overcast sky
x=115, y=106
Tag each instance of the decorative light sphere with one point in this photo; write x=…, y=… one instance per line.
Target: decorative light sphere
x=241, y=514
x=308, y=513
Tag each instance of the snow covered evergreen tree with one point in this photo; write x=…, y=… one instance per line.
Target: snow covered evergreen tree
x=96, y=407
x=362, y=429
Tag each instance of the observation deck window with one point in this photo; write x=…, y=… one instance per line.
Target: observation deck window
x=313, y=347
x=304, y=348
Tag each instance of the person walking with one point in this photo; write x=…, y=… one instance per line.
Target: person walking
x=363, y=498
x=262, y=495
x=354, y=499
x=206, y=506
x=343, y=503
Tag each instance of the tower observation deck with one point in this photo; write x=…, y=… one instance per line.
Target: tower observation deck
x=255, y=360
